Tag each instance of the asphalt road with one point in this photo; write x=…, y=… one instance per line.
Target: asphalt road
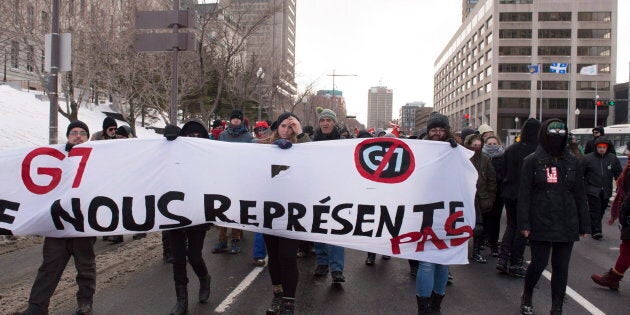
x=385, y=288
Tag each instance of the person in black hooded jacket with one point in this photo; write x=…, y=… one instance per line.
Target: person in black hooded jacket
x=590, y=145
x=513, y=243
x=600, y=168
x=552, y=211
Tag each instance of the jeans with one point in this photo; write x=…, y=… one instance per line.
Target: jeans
x=330, y=255
x=259, y=251
x=431, y=278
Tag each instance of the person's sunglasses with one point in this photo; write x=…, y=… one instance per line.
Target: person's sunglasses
x=556, y=131
x=111, y=129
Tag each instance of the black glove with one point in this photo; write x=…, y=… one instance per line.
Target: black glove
x=283, y=143
x=452, y=142
x=171, y=132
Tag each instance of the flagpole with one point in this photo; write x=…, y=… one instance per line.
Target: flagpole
x=540, y=70
x=596, y=99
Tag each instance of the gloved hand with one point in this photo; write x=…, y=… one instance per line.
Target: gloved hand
x=452, y=142
x=171, y=132
x=283, y=143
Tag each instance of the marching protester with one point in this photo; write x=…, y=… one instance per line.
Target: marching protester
x=574, y=147
x=485, y=131
x=590, y=145
x=235, y=132
x=432, y=278
x=261, y=135
x=513, y=243
x=261, y=130
x=187, y=243
x=328, y=256
x=109, y=132
x=218, y=127
x=282, y=251
x=552, y=211
x=57, y=252
x=492, y=219
x=486, y=190
x=600, y=168
x=620, y=209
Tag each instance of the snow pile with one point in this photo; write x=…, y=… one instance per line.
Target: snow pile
x=24, y=120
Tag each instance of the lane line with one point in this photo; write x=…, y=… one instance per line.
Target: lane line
x=239, y=289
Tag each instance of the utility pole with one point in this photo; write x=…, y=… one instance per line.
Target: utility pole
x=333, y=75
x=174, y=72
x=54, y=71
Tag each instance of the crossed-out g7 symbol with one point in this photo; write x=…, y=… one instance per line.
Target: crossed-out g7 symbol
x=384, y=160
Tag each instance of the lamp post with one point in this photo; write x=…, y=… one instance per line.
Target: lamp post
x=577, y=114
x=516, y=122
x=260, y=74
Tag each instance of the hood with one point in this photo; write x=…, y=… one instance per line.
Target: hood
x=543, y=138
x=600, y=129
x=197, y=125
x=529, y=131
x=604, y=139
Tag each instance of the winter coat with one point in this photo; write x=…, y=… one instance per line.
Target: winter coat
x=101, y=135
x=334, y=135
x=599, y=171
x=620, y=208
x=514, y=156
x=551, y=199
x=236, y=134
x=590, y=145
x=486, y=181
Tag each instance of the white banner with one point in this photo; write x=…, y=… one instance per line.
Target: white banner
x=410, y=199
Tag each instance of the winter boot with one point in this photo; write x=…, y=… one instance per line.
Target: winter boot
x=436, y=302
x=609, y=279
x=370, y=259
x=424, y=305
x=220, y=247
x=516, y=268
x=476, y=256
x=502, y=262
x=204, y=288
x=526, y=304
x=236, y=247
x=181, y=291
x=288, y=306
x=276, y=304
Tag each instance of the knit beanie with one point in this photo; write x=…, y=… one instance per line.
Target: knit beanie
x=109, y=122
x=437, y=120
x=77, y=124
x=237, y=113
x=327, y=113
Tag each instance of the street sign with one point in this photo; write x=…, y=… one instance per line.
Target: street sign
x=65, y=52
x=165, y=19
x=165, y=42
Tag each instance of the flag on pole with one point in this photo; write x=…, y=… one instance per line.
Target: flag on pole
x=558, y=68
x=589, y=70
x=533, y=69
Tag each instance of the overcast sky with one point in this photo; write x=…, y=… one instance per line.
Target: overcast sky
x=389, y=42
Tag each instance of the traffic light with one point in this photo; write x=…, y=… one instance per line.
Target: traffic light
x=599, y=103
x=466, y=120
x=610, y=103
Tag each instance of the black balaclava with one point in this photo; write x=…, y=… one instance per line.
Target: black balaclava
x=553, y=136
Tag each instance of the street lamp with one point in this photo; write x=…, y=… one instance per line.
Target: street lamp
x=577, y=114
x=516, y=122
x=260, y=74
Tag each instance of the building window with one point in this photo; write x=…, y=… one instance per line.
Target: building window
x=511, y=33
x=603, y=68
x=489, y=39
x=553, y=85
x=513, y=102
x=514, y=67
x=15, y=53
x=515, y=51
x=601, y=51
x=515, y=85
x=594, y=16
x=489, y=55
x=71, y=7
x=488, y=87
x=553, y=103
x=546, y=68
x=489, y=23
x=592, y=85
x=554, y=50
x=554, y=16
x=515, y=17
x=554, y=33
x=30, y=58
x=488, y=72
x=475, y=37
x=594, y=33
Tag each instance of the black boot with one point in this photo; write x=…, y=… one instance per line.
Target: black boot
x=502, y=261
x=436, y=302
x=526, y=304
x=276, y=304
x=288, y=306
x=424, y=305
x=370, y=259
x=516, y=268
x=204, y=288
x=181, y=291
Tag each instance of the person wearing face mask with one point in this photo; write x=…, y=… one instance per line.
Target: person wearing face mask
x=552, y=211
x=486, y=190
x=493, y=149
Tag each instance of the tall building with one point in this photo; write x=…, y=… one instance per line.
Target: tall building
x=484, y=70
x=467, y=7
x=380, y=100
x=272, y=44
x=407, y=116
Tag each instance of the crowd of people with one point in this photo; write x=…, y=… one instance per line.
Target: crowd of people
x=552, y=191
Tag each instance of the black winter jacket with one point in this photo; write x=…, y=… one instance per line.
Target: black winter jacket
x=551, y=199
x=599, y=171
x=514, y=155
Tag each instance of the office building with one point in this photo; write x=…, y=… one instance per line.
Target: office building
x=407, y=116
x=495, y=65
x=380, y=100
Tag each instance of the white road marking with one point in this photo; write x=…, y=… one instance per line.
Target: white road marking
x=239, y=289
x=577, y=297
